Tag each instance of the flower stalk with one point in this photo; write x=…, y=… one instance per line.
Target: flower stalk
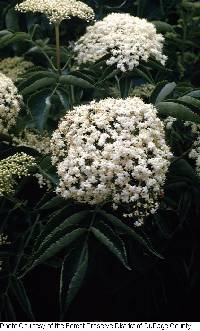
x=57, y=32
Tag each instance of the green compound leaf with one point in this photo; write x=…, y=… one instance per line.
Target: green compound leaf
x=144, y=75
x=165, y=91
x=163, y=27
x=9, y=309
x=106, y=236
x=33, y=75
x=12, y=20
x=55, y=202
x=50, y=235
x=178, y=111
x=125, y=229
x=9, y=38
x=39, y=84
x=190, y=101
x=183, y=170
x=20, y=294
x=54, y=247
x=72, y=276
x=64, y=98
x=194, y=94
x=73, y=80
x=48, y=170
x=158, y=88
x=39, y=105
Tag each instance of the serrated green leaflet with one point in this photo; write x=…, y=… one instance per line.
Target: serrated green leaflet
x=163, y=27
x=55, y=202
x=118, y=224
x=194, y=94
x=190, y=101
x=112, y=242
x=40, y=83
x=20, y=294
x=57, y=246
x=157, y=90
x=178, y=111
x=73, y=272
x=165, y=91
x=73, y=80
x=144, y=75
x=58, y=230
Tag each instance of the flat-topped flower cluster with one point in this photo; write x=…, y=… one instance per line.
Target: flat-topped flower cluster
x=125, y=39
x=113, y=151
x=9, y=103
x=34, y=139
x=57, y=10
x=14, y=67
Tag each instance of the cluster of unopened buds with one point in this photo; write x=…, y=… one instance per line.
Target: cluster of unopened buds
x=12, y=168
x=35, y=139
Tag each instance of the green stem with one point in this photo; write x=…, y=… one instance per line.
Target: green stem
x=162, y=7
x=140, y=7
x=44, y=53
x=67, y=63
x=57, y=31
x=72, y=95
x=182, y=155
x=184, y=27
x=48, y=59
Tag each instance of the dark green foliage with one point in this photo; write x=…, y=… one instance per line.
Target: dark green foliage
x=91, y=262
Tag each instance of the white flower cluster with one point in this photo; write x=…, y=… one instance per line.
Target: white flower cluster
x=169, y=121
x=125, y=39
x=57, y=10
x=39, y=141
x=13, y=167
x=3, y=239
x=43, y=182
x=14, y=67
x=34, y=139
x=195, y=130
x=195, y=151
x=143, y=91
x=113, y=151
x=9, y=103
